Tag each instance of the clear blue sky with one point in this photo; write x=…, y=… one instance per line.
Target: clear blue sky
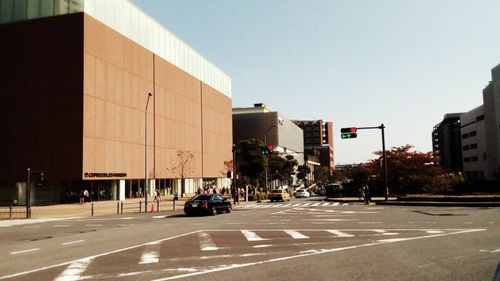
x=356, y=63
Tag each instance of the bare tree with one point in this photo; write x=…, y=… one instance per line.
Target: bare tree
x=181, y=167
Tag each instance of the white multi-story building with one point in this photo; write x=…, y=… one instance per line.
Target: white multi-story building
x=480, y=129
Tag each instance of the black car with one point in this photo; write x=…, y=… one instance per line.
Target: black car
x=211, y=204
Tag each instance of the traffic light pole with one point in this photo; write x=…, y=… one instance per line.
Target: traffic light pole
x=386, y=186
x=382, y=127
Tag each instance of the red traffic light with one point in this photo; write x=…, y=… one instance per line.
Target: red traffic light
x=349, y=133
x=270, y=148
x=349, y=130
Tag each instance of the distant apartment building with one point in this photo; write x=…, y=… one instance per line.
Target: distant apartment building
x=480, y=133
x=318, y=142
x=446, y=142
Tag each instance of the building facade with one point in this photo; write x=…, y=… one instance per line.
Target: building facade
x=447, y=144
x=270, y=127
x=99, y=96
x=318, y=142
x=480, y=130
x=473, y=138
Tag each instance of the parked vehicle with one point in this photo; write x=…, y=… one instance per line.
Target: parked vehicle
x=211, y=204
x=333, y=190
x=302, y=193
x=278, y=195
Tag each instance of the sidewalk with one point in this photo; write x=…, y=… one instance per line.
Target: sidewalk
x=97, y=208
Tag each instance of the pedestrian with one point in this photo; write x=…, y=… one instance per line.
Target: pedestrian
x=157, y=195
x=82, y=199
x=366, y=193
x=85, y=196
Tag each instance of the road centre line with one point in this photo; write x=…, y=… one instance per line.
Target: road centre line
x=73, y=242
x=25, y=251
x=496, y=251
x=307, y=254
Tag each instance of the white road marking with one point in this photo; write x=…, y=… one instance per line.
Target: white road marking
x=206, y=242
x=384, y=232
x=496, y=251
x=339, y=233
x=62, y=225
x=315, y=204
x=8, y=223
x=95, y=256
x=306, y=204
x=434, y=231
x=262, y=246
x=73, y=242
x=295, y=205
x=24, y=251
x=128, y=218
x=159, y=217
x=252, y=236
x=74, y=270
x=300, y=255
x=295, y=234
x=149, y=257
x=325, y=204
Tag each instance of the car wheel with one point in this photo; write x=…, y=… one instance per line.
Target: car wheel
x=228, y=210
x=213, y=211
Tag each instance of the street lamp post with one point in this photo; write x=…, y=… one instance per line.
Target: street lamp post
x=146, y=155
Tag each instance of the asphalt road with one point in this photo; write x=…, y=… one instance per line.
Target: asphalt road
x=297, y=240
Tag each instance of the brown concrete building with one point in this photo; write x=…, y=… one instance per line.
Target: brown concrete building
x=74, y=84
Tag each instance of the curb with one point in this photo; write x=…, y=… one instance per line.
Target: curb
x=439, y=204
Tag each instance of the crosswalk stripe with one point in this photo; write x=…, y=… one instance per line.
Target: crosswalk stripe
x=252, y=236
x=149, y=257
x=150, y=254
x=339, y=233
x=74, y=270
x=295, y=234
x=306, y=204
x=206, y=242
x=315, y=204
x=325, y=204
x=295, y=205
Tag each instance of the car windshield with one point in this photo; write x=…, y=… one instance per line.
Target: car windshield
x=276, y=191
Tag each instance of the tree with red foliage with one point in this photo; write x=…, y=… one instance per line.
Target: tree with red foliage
x=408, y=172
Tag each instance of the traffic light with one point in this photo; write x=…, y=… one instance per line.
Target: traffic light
x=266, y=149
x=349, y=133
